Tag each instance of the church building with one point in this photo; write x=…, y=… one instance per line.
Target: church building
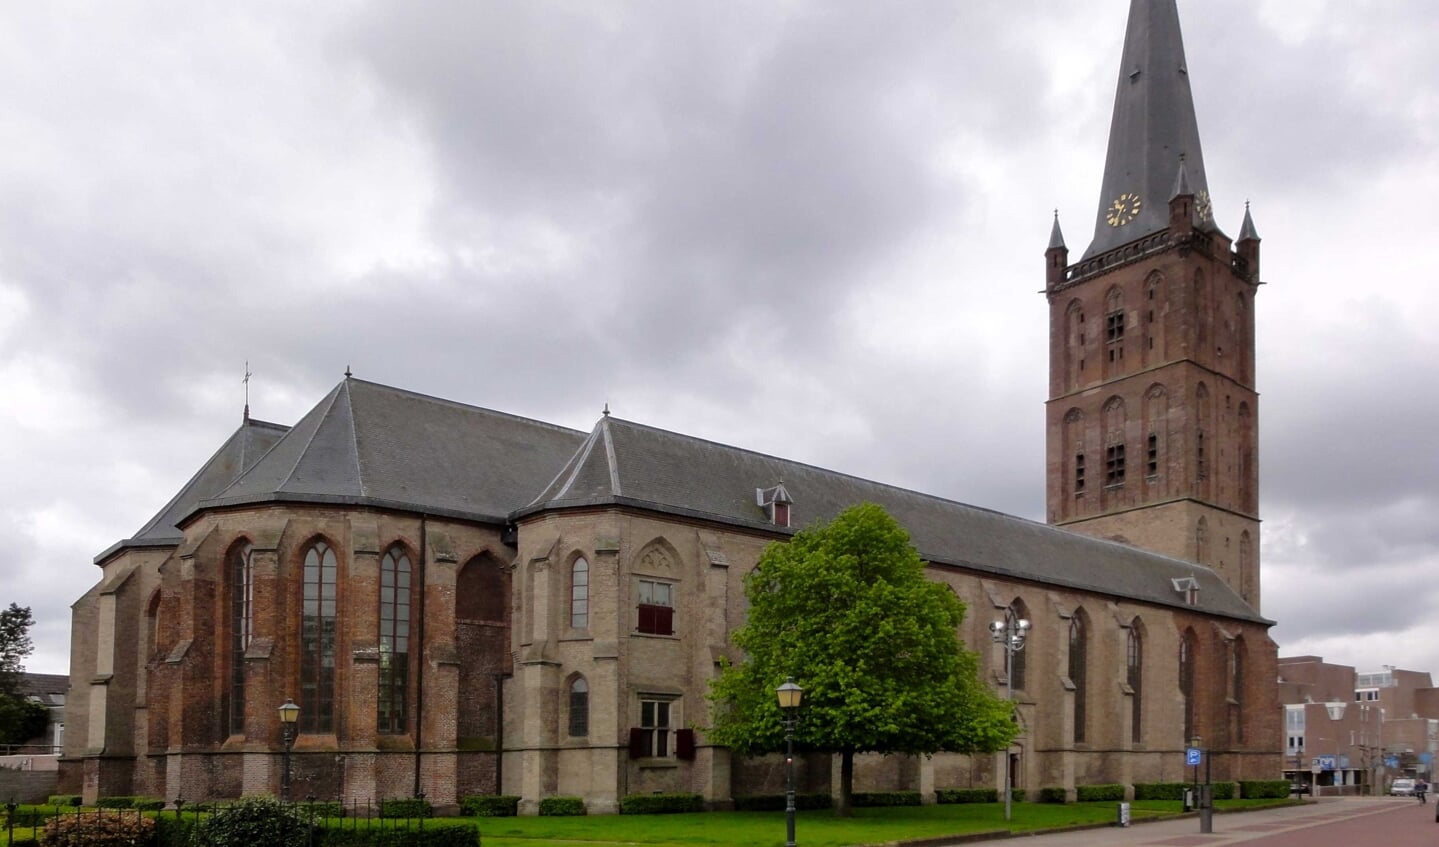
x=462, y=601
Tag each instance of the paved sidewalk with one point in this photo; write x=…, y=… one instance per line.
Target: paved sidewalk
x=1229, y=828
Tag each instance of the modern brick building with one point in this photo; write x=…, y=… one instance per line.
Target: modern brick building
x=463, y=601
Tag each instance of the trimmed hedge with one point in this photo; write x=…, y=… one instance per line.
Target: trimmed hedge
x=562, y=806
x=1160, y=790
x=1256, y=789
x=322, y=808
x=63, y=800
x=250, y=822
x=406, y=807
x=966, y=795
x=490, y=806
x=1225, y=790
x=1097, y=793
x=863, y=799
x=1053, y=794
x=775, y=802
x=144, y=804
x=661, y=804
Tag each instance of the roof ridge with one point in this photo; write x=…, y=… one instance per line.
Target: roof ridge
x=458, y=404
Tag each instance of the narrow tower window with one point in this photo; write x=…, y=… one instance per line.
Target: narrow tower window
x=1151, y=460
x=1079, y=473
x=580, y=594
x=1114, y=464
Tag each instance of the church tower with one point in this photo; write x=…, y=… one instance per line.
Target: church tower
x=1152, y=421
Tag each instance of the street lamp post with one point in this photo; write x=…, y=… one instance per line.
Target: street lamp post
x=1010, y=632
x=1205, y=795
x=789, y=696
x=289, y=714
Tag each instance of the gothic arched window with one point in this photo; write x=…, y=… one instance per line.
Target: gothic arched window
x=1134, y=676
x=1078, y=662
x=1186, y=681
x=317, y=640
x=579, y=707
x=580, y=594
x=392, y=715
x=241, y=578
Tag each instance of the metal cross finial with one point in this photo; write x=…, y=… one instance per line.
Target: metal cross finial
x=246, y=380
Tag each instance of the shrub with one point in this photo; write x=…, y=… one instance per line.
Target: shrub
x=562, y=806
x=413, y=807
x=661, y=804
x=861, y=799
x=175, y=831
x=1257, y=789
x=490, y=806
x=26, y=815
x=966, y=795
x=1225, y=790
x=63, y=800
x=253, y=821
x=99, y=829
x=1053, y=794
x=1160, y=790
x=1094, y=793
x=775, y=802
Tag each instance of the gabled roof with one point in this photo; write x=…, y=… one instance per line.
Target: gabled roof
x=1153, y=126
x=239, y=452
x=629, y=464
x=47, y=688
x=369, y=444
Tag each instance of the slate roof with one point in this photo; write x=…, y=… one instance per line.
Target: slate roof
x=239, y=452
x=625, y=463
x=1153, y=126
x=373, y=445
x=48, y=688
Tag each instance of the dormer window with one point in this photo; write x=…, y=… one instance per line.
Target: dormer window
x=1189, y=587
x=775, y=502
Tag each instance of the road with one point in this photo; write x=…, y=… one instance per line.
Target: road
x=1328, y=822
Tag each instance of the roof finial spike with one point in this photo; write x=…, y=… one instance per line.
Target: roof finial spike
x=607, y=408
x=348, y=373
x=246, y=380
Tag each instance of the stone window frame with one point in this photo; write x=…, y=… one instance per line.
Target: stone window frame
x=317, y=697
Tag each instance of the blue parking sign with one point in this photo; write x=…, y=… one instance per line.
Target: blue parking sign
x=1192, y=756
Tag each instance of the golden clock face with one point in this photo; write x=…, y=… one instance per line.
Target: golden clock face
x=1204, y=206
x=1124, y=209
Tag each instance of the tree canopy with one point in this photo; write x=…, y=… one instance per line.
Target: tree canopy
x=20, y=718
x=846, y=610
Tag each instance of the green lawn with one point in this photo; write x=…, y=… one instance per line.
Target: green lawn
x=812, y=828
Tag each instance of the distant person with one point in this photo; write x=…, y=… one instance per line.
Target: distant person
x=1421, y=788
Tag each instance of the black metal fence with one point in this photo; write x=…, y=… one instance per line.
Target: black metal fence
x=314, y=813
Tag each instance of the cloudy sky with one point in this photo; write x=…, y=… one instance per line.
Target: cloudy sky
x=813, y=229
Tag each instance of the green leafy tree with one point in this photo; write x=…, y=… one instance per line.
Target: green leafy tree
x=21, y=719
x=847, y=611
x=15, y=647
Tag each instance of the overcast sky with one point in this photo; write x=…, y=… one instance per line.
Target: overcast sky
x=810, y=229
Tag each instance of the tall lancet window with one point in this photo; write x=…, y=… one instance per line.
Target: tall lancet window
x=393, y=713
x=317, y=641
x=1078, y=665
x=241, y=573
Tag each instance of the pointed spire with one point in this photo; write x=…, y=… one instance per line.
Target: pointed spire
x=1247, y=232
x=1153, y=125
x=1056, y=238
x=1181, y=182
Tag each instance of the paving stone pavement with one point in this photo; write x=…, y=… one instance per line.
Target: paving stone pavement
x=1326, y=822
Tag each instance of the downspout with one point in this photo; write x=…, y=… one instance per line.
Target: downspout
x=420, y=669
x=500, y=733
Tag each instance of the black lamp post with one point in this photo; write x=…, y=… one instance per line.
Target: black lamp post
x=1205, y=794
x=1011, y=632
x=789, y=696
x=289, y=714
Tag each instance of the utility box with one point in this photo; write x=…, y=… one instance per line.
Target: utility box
x=1123, y=815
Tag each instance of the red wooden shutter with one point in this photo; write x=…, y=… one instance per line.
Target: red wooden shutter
x=684, y=744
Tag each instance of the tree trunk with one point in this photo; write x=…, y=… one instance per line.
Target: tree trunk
x=846, y=784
